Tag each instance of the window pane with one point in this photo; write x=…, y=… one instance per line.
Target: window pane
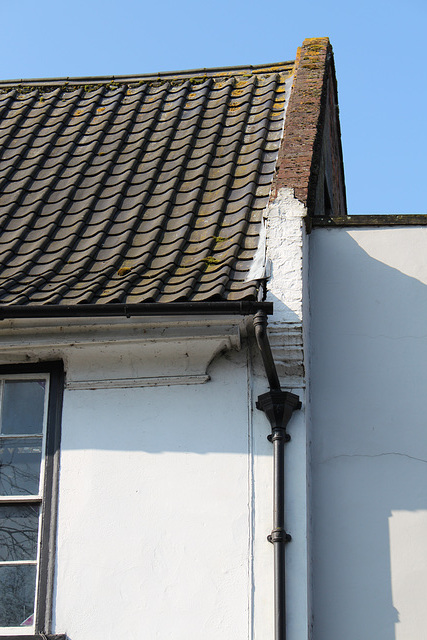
x=18, y=532
x=22, y=407
x=20, y=461
x=17, y=593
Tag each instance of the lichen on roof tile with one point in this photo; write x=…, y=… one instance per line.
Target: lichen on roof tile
x=167, y=175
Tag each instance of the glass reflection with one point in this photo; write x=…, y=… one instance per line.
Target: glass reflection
x=22, y=407
x=18, y=532
x=20, y=461
x=17, y=593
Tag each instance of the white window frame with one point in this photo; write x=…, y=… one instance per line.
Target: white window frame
x=53, y=374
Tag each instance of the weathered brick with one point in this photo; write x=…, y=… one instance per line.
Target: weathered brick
x=309, y=126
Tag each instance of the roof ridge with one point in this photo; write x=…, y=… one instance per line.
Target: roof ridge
x=150, y=77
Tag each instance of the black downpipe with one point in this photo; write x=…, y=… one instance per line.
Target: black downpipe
x=260, y=327
x=278, y=406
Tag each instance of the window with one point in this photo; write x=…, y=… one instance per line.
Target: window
x=30, y=409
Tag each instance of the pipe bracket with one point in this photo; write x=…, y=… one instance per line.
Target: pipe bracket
x=279, y=535
x=275, y=436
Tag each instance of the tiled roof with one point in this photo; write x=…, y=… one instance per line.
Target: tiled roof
x=133, y=190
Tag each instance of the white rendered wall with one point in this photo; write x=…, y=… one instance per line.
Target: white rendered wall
x=154, y=510
x=286, y=251
x=165, y=493
x=369, y=430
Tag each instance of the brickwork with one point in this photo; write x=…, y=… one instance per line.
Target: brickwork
x=310, y=156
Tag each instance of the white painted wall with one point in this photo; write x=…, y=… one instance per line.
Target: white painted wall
x=153, y=536
x=287, y=289
x=165, y=494
x=160, y=448
x=369, y=432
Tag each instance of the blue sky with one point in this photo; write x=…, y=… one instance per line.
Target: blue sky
x=380, y=57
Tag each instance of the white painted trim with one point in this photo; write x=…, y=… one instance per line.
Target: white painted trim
x=257, y=270
x=16, y=563
x=26, y=499
x=125, y=383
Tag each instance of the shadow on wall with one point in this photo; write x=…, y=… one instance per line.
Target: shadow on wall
x=369, y=435
x=199, y=418
x=196, y=418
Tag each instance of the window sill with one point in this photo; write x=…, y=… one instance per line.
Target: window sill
x=36, y=636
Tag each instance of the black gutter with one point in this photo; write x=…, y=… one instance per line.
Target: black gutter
x=244, y=308
x=278, y=406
